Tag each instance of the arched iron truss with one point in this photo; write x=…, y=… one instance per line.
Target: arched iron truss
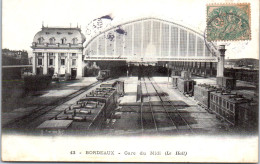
x=148, y=39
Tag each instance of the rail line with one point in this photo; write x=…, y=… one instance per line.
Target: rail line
x=167, y=100
x=141, y=111
x=150, y=107
x=40, y=111
x=169, y=116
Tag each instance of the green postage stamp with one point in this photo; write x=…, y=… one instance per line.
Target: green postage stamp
x=228, y=22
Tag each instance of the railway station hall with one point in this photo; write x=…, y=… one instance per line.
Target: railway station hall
x=154, y=42
x=145, y=76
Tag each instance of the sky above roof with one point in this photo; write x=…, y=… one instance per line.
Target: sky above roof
x=22, y=19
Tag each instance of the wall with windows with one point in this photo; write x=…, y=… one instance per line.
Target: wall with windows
x=149, y=38
x=58, y=51
x=58, y=63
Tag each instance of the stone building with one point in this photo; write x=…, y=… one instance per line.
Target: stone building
x=14, y=57
x=58, y=50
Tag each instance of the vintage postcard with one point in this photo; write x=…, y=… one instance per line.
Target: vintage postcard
x=130, y=81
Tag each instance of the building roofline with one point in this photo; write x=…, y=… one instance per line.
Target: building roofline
x=142, y=19
x=61, y=28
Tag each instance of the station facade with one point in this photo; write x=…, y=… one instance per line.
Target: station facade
x=58, y=51
x=148, y=40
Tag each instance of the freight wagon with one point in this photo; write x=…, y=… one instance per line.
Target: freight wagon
x=186, y=86
x=85, y=114
x=109, y=95
x=89, y=113
x=202, y=94
x=78, y=117
x=118, y=85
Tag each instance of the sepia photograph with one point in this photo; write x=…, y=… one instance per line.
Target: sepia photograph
x=130, y=81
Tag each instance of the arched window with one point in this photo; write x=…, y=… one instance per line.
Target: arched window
x=74, y=41
x=52, y=40
x=40, y=40
x=63, y=41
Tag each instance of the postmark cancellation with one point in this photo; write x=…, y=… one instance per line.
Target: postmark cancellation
x=228, y=22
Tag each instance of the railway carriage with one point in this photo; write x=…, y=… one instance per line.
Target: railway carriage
x=247, y=116
x=227, y=106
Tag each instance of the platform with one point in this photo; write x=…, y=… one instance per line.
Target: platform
x=128, y=115
x=40, y=99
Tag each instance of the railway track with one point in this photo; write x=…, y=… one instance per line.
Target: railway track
x=148, y=122
x=161, y=117
x=27, y=121
x=158, y=118
x=141, y=112
x=177, y=116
